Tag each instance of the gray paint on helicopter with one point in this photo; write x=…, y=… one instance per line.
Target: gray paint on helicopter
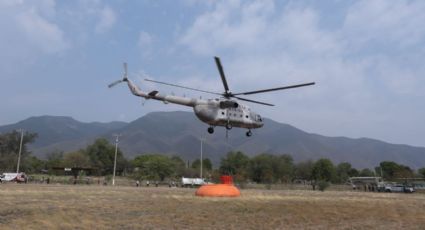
x=223, y=111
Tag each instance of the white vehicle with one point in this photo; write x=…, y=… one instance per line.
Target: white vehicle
x=224, y=111
x=13, y=177
x=399, y=188
x=191, y=182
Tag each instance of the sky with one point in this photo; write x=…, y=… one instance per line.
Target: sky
x=366, y=57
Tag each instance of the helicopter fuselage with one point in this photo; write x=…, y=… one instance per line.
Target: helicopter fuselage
x=215, y=112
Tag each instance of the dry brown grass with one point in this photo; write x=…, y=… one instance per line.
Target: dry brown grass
x=99, y=207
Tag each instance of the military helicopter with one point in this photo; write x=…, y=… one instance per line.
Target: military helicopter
x=224, y=111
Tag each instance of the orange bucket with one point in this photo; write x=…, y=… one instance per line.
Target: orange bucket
x=226, y=189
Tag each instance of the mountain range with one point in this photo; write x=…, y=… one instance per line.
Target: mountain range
x=180, y=133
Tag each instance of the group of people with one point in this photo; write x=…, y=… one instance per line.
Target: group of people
x=156, y=183
x=147, y=183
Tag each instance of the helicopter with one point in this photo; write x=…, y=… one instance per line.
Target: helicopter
x=224, y=111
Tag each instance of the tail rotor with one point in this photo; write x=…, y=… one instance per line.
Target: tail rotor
x=123, y=79
x=115, y=83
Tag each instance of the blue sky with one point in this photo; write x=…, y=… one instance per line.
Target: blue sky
x=367, y=58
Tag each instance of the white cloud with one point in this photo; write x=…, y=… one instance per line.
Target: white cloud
x=107, y=19
x=26, y=26
x=219, y=29
x=29, y=31
x=360, y=66
x=45, y=35
x=145, y=40
x=396, y=22
x=145, y=43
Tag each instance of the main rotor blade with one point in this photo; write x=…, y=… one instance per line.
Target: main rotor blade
x=258, y=102
x=184, y=87
x=223, y=78
x=274, y=89
x=114, y=83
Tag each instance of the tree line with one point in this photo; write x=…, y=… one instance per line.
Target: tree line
x=262, y=168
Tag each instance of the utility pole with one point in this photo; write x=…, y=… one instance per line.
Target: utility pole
x=20, y=150
x=117, y=136
x=202, y=139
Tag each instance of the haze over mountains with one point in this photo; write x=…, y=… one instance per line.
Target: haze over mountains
x=179, y=133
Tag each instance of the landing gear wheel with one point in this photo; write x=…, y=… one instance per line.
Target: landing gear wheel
x=211, y=130
x=249, y=133
x=229, y=126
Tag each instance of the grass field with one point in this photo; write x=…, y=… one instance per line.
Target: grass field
x=105, y=207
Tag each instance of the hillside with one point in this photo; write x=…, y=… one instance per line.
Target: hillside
x=180, y=132
x=60, y=132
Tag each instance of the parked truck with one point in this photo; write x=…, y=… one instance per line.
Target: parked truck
x=192, y=182
x=13, y=177
x=399, y=188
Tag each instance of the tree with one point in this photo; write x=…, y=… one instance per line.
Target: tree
x=9, y=149
x=389, y=169
x=366, y=172
x=206, y=165
x=353, y=172
x=404, y=172
x=304, y=170
x=54, y=159
x=179, y=166
x=324, y=170
x=32, y=164
x=102, y=155
x=343, y=171
x=236, y=164
x=393, y=170
x=76, y=159
x=261, y=168
x=153, y=167
x=283, y=168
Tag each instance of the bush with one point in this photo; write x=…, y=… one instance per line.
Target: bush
x=268, y=186
x=323, y=185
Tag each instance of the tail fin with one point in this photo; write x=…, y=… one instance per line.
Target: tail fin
x=133, y=88
x=124, y=77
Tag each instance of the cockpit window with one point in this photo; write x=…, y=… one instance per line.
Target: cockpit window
x=259, y=118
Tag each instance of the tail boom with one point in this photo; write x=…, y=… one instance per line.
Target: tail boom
x=135, y=90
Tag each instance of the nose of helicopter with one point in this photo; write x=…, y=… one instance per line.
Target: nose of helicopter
x=260, y=124
x=259, y=121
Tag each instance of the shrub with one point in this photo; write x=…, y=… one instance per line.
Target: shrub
x=323, y=185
